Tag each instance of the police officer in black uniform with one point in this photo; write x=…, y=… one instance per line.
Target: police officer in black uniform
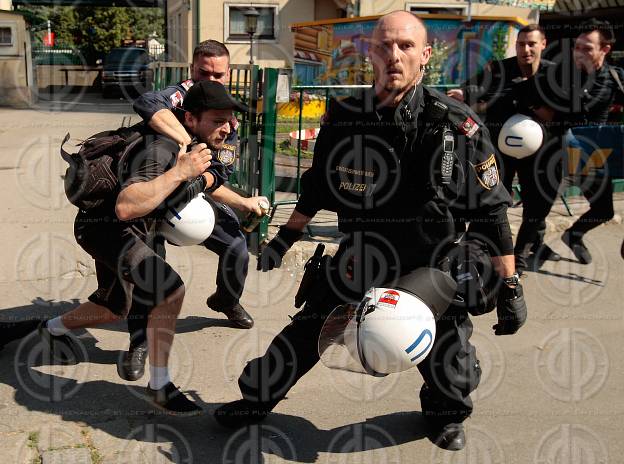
x=596, y=85
x=404, y=167
x=499, y=92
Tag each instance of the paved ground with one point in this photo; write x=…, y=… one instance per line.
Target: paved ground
x=550, y=394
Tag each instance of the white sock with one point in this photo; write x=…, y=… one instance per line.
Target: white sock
x=56, y=327
x=159, y=377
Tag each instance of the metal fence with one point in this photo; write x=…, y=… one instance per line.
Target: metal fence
x=57, y=56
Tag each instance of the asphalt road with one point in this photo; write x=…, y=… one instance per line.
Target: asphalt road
x=550, y=394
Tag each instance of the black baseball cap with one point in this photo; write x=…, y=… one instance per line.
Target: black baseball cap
x=210, y=95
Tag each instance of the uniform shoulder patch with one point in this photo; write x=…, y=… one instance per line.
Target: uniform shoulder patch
x=469, y=127
x=176, y=99
x=227, y=154
x=187, y=84
x=487, y=172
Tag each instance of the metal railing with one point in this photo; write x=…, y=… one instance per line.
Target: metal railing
x=168, y=73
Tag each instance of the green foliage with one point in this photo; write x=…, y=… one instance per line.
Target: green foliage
x=499, y=47
x=434, y=74
x=94, y=31
x=147, y=21
x=101, y=29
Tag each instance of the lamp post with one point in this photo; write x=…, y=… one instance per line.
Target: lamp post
x=251, y=26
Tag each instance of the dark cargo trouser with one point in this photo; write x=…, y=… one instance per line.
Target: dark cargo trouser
x=598, y=190
x=539, y=176
x=229, y=243
x=451, y=370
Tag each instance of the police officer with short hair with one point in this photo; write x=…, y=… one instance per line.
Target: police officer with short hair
x=404, y=167
x=599, y=85
x=500, y=91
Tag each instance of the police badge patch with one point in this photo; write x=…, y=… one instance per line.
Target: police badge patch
x=227, y=154
x=487, y=172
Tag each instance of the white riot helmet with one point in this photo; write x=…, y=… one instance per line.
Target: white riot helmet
x=392, y=329
x=190, y=224
x=520, y=136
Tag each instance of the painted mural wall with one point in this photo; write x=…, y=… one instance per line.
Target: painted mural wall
x=337, y=52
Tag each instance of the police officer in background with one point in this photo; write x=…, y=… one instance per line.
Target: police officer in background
x=402, y=166
x=499, y=92
x=163, y=112
x=596, y=86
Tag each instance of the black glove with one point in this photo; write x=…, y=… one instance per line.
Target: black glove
x=511, y=309
x=271, y=256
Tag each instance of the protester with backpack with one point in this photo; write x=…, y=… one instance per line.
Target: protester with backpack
x=118, y=232
x=163, y=112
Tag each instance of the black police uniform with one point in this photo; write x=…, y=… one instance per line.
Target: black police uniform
x=506, y=93
x=381, y=170
x=227, y=240
x=588, y=105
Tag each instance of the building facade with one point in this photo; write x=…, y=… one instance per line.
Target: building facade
x=191, y=21
x=16, y=70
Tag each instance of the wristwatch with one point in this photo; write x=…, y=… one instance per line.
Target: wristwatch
x=512, y=281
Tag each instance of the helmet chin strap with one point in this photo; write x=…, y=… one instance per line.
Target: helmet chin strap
x=362, y=310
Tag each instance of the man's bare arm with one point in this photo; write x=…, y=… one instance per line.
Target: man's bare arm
x=141, y=198
x=505, y=265
x=236, y=201
x=164, y=122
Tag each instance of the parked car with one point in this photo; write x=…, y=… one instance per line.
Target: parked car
x=126, y=69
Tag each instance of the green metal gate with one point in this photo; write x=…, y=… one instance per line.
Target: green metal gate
x=254, y=173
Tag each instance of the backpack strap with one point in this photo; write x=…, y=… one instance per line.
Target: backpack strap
x=66, y=156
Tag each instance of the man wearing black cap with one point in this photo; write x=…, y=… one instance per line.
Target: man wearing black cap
x=205, y=125
x=133, y=276
x=164, y=112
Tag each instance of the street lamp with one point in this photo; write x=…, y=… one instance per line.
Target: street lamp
x=251, y=26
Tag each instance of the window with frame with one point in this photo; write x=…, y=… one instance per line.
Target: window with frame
x=267, y=22
x=6, y=37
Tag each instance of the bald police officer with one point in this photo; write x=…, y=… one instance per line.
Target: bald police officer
x=404, y=167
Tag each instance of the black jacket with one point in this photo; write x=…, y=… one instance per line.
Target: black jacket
x=380, y=170
x=501, y=85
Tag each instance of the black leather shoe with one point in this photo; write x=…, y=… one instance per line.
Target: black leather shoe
x=450, y=437
x=132, y=365
x=171, y=400
x=241, y=413
x=236, y=314
x=577, y=246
